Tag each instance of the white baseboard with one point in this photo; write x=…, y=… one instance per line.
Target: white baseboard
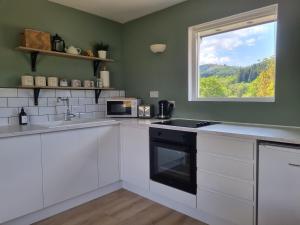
x=61, y=207
x=194, y=213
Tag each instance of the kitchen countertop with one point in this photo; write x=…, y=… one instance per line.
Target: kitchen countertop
x=259, y=132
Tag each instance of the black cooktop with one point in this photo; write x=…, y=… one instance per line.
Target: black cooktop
x=185, y=123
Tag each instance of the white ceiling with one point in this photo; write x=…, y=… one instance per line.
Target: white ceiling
x=119, y=10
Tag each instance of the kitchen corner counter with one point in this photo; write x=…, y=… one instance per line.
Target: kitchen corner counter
x=264, y=133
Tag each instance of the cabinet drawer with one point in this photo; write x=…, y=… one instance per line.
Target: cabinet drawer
x=233, y=187
x=229, y=209
x=227, y=146
x=225, y=166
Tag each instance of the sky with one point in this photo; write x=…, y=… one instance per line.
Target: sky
x=241, y=47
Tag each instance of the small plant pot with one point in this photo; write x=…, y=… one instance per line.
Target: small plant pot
x=102, y=54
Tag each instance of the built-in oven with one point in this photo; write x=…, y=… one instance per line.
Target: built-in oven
x=122, y=107
x=173, y=158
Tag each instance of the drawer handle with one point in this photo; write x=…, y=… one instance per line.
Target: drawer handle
x=294, y=165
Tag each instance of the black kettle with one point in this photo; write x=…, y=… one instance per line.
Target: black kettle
x=58, y=44
x=165, y=109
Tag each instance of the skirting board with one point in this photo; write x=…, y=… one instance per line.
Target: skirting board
x=194, y=213
x=61, y=207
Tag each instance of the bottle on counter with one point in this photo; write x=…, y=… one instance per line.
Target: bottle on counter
x=23, y=118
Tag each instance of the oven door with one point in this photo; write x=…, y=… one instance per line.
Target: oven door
x=173, y=165
x=119, y=108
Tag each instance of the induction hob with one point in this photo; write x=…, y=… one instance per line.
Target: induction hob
x=185, y=123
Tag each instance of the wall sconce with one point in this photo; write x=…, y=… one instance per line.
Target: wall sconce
x=158, y=48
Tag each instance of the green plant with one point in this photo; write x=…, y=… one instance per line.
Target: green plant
x=101, y=47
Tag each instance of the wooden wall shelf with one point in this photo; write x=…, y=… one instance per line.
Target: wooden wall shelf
x=35, y=52
x=36, y=91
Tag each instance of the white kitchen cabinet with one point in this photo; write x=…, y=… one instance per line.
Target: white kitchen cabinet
x=226, y=177
x=20, y=176
x=70, y=164
x=135, y=156
x=109, y=155
x=279, y=185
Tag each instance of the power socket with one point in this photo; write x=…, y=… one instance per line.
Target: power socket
x=154, y=94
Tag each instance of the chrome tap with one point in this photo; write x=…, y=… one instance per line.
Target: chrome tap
x=68, y=114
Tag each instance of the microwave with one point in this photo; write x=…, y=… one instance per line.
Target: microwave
x=122, y=107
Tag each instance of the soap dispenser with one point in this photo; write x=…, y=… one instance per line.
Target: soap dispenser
x=23, y=118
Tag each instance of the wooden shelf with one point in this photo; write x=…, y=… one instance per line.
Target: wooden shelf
x=36, y=91
x=35, y=52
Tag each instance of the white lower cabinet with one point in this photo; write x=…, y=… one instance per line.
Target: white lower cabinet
x=135, y=156
x=226, y=178
x=20, y=176
x=109, y=155
x=70, y=164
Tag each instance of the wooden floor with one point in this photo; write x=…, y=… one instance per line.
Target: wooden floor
x=120, y=208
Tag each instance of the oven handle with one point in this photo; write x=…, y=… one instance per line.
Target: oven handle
x=175, y=146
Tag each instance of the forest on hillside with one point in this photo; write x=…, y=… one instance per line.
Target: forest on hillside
x=257, y=80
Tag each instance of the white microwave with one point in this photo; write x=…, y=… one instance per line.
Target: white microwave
x=122, y=107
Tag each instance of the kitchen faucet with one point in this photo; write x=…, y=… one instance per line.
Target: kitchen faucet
x=68, y=114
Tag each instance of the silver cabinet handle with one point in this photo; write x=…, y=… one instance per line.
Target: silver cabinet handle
x=294, y=165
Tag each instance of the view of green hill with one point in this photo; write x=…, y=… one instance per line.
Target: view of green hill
x=243, y=74
x=257, y=80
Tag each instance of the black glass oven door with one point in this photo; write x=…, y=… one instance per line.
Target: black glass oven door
x=173, y=165
x=122, y=108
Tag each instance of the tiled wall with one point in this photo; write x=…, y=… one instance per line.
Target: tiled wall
x=82, y=103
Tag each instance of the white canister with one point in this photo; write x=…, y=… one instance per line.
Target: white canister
x=102, y=54
x=52, y=81
x=104, y=75
x=27, y=80
x=40, y=81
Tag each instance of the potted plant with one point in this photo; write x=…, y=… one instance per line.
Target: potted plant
x=101, y=49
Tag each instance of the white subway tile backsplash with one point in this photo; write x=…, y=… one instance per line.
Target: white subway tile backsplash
x=31, y=111
x=92, y=108
x=82, y=103
x=42, y=102
x=46, y=110
x=17, y=102
x=3, y=102
x=77, y=93
x=47, y=93
x=25, y=93
x=8, y=112
x=63, y=93
x=122, y=93
x=8, y=92
x=4, y=121
x=38, y=119
x=86, y=101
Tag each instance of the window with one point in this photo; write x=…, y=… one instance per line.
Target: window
x=234, y=59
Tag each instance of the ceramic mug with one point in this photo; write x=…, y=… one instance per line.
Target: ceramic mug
x=76, y=83
x=63, y=83
x=87, y=83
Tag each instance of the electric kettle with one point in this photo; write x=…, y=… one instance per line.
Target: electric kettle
x=165, y=109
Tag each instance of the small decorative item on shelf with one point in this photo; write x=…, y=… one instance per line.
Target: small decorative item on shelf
x=101, y=49
x=58, y=44
x=63, y=83
x=104, y=75
x=92, y=84
x=76, y=83
x=36, y=39
x=40, y=81
x=73, y=50
x=52, y=82
x=99, y=83
x=88, y=53
x=87, y=83
x=27, y=80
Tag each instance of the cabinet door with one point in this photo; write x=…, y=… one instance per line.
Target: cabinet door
x=20, y=176
x=70, y=161
x=109, y=151
x=278, y=186
x=135, y=156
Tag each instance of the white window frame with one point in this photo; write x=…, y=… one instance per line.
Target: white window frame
x=239, y=21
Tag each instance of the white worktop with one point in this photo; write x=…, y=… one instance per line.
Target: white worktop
x=258, y=132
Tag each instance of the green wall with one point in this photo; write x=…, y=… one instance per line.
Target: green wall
x=167, y=73
x=77, y=28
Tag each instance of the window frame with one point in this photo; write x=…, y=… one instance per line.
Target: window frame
x=253, y=17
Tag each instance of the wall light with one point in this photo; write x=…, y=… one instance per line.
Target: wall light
x=158, y=48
